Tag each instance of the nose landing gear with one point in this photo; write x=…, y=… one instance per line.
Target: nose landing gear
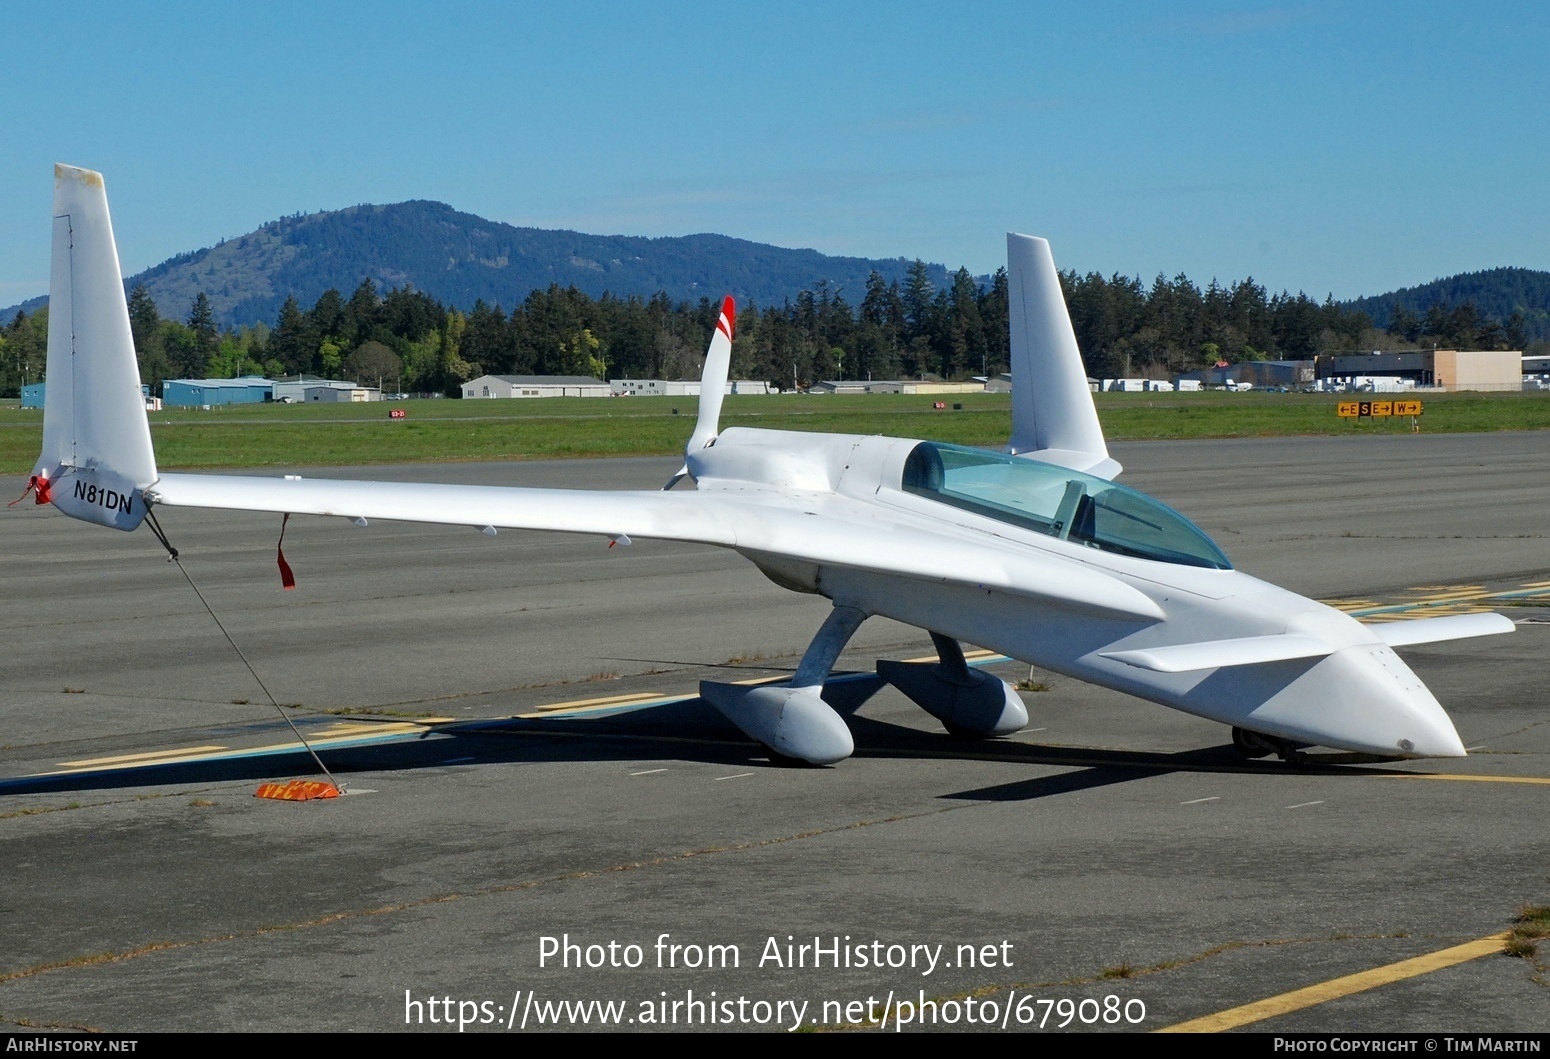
x=1253, y=745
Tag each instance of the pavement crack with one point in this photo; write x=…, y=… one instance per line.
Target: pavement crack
x=1439, y=536
x=73, y=806
x=1524, y=730
x=30, y=1024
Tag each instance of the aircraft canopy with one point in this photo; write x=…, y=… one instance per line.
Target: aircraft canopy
x=1059, y=502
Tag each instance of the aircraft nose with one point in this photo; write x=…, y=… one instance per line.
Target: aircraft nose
x=1422, y=726
x=1364, y=698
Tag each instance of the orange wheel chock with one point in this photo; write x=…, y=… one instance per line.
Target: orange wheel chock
x=297, y=790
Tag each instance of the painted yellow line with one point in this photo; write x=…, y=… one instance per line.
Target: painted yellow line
x=1438, y=601
x=356, y=729
x=334, y=732
x=367, y=726
x=975, y=655
x=149, y=756
x=607, y=700
x=1463, y=778
x=199, y=755
x=1336, y=988
x=1351, y=604
x=326, y=741
x=1428, y=611
x=1456, y=593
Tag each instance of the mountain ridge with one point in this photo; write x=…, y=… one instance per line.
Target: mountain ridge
x=459, y=258
x=1495, y=292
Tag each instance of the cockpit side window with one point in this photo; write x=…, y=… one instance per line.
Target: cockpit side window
x=1059, y=502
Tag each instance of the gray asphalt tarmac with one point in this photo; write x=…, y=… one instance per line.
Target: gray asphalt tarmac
x=1116, y=849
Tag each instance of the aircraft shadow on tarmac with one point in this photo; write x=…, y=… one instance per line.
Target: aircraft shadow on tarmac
x=696, y=731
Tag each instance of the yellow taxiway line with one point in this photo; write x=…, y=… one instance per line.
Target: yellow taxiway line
x=1460, y=598
x=607, y=700
x=1336, y=988
x=193, y=755
x=124, y=759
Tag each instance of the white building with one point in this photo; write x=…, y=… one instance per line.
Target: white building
x=679, y=388
x=535, y=386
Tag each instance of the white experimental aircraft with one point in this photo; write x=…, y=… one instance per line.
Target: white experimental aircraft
x=1032, y=551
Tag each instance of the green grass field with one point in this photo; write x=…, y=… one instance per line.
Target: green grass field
x=441, y=430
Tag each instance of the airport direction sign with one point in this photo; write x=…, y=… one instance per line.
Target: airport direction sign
x=1377, y=409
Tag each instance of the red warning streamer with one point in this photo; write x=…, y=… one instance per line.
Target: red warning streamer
x=41, y=485
x=287, y=578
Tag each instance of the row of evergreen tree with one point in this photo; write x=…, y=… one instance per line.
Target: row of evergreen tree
x=406, y=340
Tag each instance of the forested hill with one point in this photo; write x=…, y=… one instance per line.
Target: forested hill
x=458, y=259
x=1497, y=293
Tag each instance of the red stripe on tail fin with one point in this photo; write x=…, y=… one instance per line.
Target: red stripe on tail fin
x=728, y=317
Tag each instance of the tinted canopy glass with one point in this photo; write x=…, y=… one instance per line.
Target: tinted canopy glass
x=1059, y=502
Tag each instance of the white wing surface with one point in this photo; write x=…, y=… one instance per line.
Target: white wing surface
x=652, y=515
x=822, y=531
x=1436, y=630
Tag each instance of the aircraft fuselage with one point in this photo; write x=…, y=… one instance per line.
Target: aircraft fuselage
x=1358, y=696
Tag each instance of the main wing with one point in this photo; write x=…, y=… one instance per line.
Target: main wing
x=820, y=530
x=654, y=515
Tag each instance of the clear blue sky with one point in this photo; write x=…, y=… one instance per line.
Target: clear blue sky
x=1328, y=147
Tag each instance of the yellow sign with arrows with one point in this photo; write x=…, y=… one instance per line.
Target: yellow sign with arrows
x=1377, y=409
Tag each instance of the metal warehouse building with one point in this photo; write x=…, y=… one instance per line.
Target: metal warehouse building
x=195, y=393
x=33, y=395
x=296, y=389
